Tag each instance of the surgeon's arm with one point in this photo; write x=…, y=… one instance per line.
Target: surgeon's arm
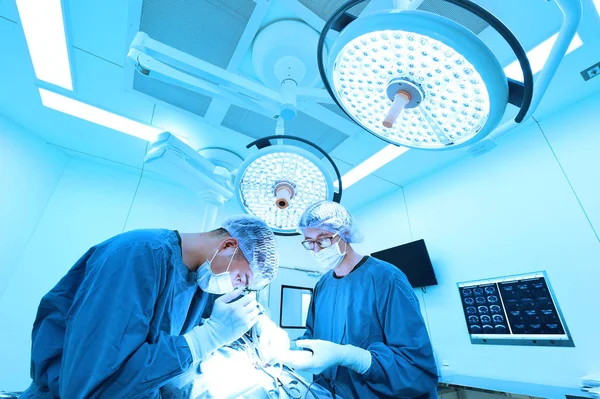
x=405, y=366
x=106, y=353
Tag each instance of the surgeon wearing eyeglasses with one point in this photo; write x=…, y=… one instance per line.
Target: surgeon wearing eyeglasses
x=364, y=327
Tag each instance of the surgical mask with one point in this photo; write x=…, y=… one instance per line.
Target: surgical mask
x=215, y=283
x=330, y=257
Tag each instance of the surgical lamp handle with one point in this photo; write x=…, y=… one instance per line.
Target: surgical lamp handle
x=400, y=100
x=264, y=142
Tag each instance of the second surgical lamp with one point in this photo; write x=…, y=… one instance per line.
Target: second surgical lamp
x=420, y=80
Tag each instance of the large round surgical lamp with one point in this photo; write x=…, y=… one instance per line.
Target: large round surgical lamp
x=419, y=80
x=279, y=181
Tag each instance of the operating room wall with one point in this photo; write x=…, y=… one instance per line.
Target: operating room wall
x=29, y=172
x=90, y=203
x=531, y=204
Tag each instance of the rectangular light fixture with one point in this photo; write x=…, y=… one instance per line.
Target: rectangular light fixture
x=538, y=56
x=43, y=24
x=98, y=116
x=597, y=5
x=387, y=154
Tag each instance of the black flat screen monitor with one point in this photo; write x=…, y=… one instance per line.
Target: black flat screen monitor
x=413, y=259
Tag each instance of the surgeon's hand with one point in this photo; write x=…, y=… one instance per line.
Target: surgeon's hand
x=273, y=342
x=326, y=354
x=230, y=320
x=227, y=322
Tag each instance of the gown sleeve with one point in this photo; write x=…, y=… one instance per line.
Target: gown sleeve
x=403, y=365
x=106, y=353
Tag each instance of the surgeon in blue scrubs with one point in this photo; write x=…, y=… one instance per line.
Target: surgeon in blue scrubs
x=364, y=330
x=127, y=317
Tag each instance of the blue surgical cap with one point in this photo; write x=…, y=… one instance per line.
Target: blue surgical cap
x=257, y=242
x=333, y=217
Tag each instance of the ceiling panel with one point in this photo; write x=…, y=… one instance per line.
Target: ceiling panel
x=20, y=102
x=455, y=13
x=250, y=123
x=366, y=191
x=358, y=148
x=335, y=108
x=98, y=27
x=324, y=9
x=195, y=103
x=315, y=131
x=534, y=22
x=100, y=83
x=255, y=125
x=402, y=170
x=415, y=164
x=197, y=133
x=208, y=29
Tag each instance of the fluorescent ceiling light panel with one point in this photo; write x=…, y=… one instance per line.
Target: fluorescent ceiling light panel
x=44, y=29
x=597, y=5
x=98, y=116
x=538, y=56
x=387, y=154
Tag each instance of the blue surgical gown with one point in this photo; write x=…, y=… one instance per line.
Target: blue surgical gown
x=375, y=308
x=112, y=327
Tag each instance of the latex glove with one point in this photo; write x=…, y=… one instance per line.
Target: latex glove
x=326, y=354
x=273, y=342
x=227, y=323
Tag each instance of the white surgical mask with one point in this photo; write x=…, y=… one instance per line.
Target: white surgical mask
x=215, y=283
x=330, y=257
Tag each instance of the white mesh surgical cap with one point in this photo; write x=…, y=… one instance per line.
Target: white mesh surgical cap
x=333, y=217
x=257, y=242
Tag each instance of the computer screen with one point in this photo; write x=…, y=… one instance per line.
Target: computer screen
x=413, y=259
x=517, y=309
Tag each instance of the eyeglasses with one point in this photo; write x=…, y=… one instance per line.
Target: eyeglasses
x=323, y=242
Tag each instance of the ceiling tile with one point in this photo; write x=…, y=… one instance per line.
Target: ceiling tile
x=209, y=30
x=98, y=27
x=179, y=97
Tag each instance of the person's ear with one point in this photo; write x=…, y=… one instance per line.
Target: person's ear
x=228, y=246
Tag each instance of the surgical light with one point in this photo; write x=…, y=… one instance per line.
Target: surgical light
x=44, y=30
x=417, y=79
x=278, y=182
x=98, y=116
x=538, y=56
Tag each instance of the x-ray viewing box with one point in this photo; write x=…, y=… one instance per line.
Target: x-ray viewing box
x=514, y=310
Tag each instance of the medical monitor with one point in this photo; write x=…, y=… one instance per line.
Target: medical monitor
x=513, y=310
x=413, y=259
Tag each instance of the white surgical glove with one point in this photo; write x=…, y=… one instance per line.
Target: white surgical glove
x=273, y=342
x=227, y=323
x=327, y=354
